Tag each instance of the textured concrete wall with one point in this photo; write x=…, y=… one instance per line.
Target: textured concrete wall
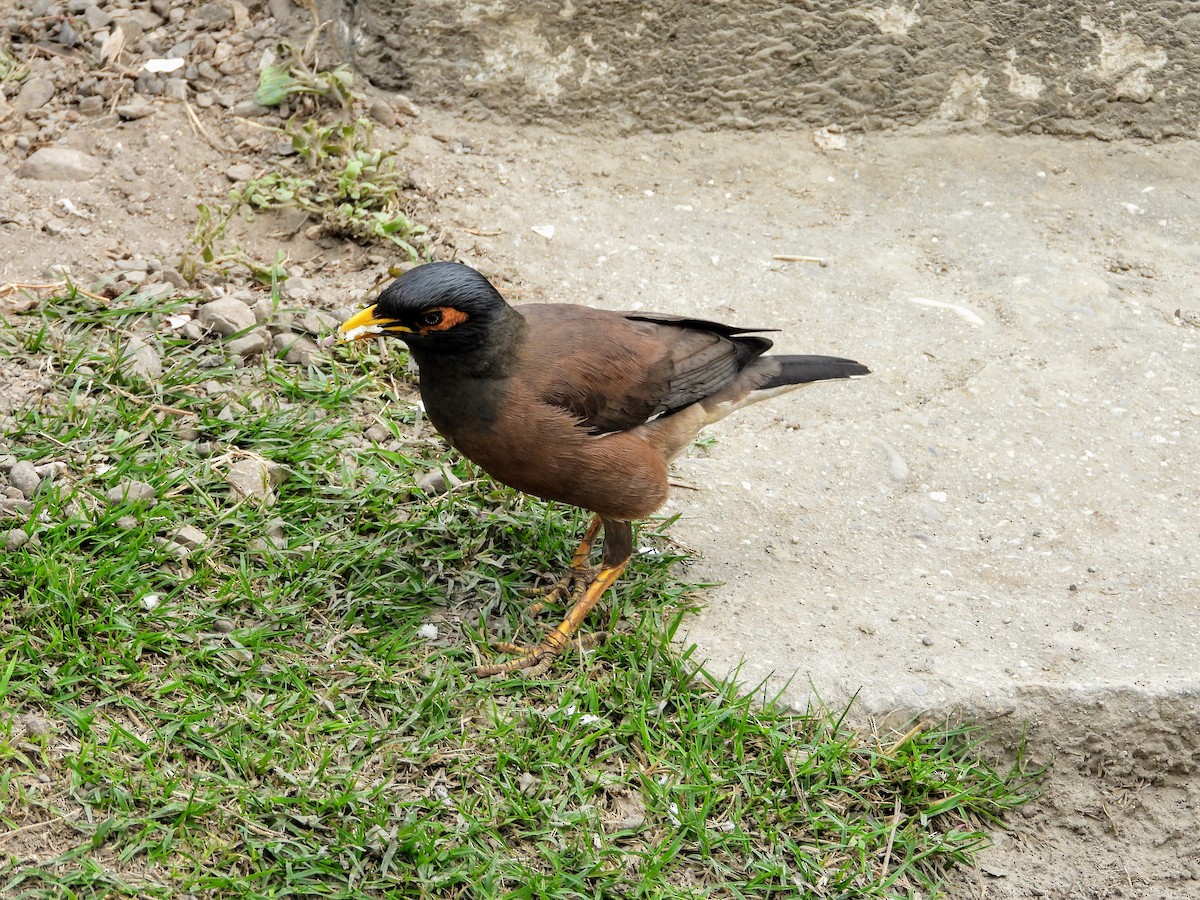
x=1107, y=68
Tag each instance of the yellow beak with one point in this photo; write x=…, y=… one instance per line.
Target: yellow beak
x=367, y=324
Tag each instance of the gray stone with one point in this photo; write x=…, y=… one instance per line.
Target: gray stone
x=317, y=323
x=175, y=88
x=15, y=509
x=141, y=360
x=297, y=349
x=132, y=28
x=403, y=104
x=280, y=10
x=24, y=477
x=97, y=18
x=255, y=478
x=248, y=109
x=240, y=172
x=382, y=112
x=172, y=277
x=59, y=164
x=296, y=287
x=131, y=492
x=34, y=94
x=212, y=16
x=173, y=549
x=147, y=19
x=67, y=35
x=51, y=470
x=190, y=536
x=226, y=316
x=438, y=481
x=137, y=108
x=91, y=106
x=35, y=726
x=16, y=539
x=250, y=344
x=263, y=308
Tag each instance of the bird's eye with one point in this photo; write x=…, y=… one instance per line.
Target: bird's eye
x=431, y=319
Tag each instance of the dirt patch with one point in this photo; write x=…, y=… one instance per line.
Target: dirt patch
x=929, y=538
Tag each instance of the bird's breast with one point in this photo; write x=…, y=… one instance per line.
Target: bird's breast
x=543, y=450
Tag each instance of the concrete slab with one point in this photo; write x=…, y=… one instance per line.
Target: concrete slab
x=1003, y=520
x=1010, y=501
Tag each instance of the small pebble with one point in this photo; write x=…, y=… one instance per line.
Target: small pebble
x=240, y=172
x=255, y=478
x=24, y=477
x=226, y=316
x=427, y=632
x=297, y=349
x=135, y=109
x=135, y=493
x=35, y=726
x=438, y=482
x=317, y=322
x=190, y=536
x=15, y=539
x=382, y=112
x=527, y=784
x=140, y=360
x=263, y=310
x=34, y=94
x=251, y=344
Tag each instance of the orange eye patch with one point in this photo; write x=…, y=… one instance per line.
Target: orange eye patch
x=449, y=318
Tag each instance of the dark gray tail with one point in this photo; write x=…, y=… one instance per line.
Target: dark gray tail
x=803, y=369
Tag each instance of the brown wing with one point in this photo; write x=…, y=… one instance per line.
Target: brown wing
x=616, y=371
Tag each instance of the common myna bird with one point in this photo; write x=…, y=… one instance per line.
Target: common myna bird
x=575, y=404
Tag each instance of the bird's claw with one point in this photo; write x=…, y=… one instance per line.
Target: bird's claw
x=534, y=662
x=567, y=590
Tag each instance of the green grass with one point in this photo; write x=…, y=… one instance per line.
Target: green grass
x=273, y=725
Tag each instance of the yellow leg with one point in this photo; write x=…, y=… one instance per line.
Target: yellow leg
x=537, y=661
x=572, y=585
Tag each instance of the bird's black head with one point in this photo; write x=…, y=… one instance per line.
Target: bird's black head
x=437, y=308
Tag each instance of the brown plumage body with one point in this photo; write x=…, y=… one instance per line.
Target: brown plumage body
x=575, y=404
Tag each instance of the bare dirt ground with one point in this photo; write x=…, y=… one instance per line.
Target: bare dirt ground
x=1002, y=521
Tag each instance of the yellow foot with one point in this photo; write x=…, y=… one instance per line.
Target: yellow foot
x=568, y=590
x=534, y=662
x=537, y=661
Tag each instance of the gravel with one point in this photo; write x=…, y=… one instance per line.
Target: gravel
x=24, y=477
